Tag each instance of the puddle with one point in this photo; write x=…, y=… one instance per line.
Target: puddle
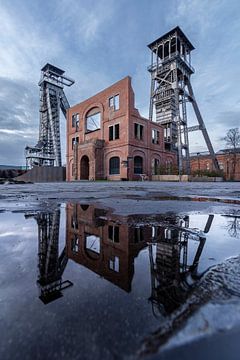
x=92, y=284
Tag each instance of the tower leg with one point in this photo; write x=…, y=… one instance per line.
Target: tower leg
x=202, y=127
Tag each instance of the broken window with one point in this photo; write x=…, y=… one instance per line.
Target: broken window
x=155, y=136
x=114, y=102
x=114, y=165
x=113, y=233
x=138, y=131
x=114, y=132
x=93, y=120
x=92, y=245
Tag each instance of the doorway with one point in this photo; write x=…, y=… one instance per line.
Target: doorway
x=84, y=168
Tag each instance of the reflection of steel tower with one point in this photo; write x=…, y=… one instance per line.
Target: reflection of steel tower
x=47, y=152
x=170, y=91
x=172, y=276
x=51, y=265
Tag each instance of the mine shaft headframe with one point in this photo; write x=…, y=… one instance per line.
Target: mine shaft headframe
x=55, y=75
x=171, y=44
x=171, y=89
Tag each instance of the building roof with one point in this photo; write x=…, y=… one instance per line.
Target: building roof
x=53, y=69
x=171, y=32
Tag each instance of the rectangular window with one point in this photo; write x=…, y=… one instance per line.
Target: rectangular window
x=93, y=122
x=155, y=136
x=114, y=132
x=138, y=234
x=114, y=102
x=75, y=244
x=114, y=264
x=138, y=131
x=75, y=121
x=113, y=233
x=75, y=141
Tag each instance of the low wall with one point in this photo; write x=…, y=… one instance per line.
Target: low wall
x=207, y=179
x=171, y=178
x=44, y=174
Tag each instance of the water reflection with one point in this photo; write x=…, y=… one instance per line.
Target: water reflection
x=51, y=265
x=107, y=245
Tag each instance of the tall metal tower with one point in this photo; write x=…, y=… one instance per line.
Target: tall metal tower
x=171, y=89
x=47, y=152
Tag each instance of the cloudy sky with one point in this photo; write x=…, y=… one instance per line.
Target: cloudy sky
x=98, y=42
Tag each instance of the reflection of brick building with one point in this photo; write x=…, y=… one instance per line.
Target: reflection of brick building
x=108, y=139
x=104, y=246
x=227, y=159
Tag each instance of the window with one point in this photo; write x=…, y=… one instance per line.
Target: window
x=207, y=166
x=138, y=234
x=93, y=120
x=92, y=243
x=155, y=136
x=75, y=121
x=221, y=166
x=138, y=131
x=114, y=102
x=155, y=166
x=75, y=244
x=113, y=233
x=74, y=222
x=114, y=165
x=168, y=167
x=114, y=132
x=138, y=165
x=75, y=141
x=114, y=263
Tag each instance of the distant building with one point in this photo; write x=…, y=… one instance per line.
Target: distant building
x=107, y=138
x=228, y=160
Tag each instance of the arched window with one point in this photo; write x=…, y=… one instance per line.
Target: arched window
x=114, y=165
x=93, y=120
x=138, y=165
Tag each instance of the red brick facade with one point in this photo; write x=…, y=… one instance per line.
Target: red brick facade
x=228, y=161
x=104, y=246
x=123, y=152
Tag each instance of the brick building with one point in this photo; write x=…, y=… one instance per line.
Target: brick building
x=107, y=138
x=104, y=245
x=228, y=160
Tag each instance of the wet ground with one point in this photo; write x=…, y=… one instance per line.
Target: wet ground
x=112, y=271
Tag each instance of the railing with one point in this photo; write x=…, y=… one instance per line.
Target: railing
x=173, y=56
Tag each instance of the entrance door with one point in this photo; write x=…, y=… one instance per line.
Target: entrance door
x=84, y=168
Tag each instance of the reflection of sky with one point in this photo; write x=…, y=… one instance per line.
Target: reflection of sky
x=94, y=314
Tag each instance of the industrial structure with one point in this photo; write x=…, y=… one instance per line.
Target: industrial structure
x=47, y=152
x=51, y=265
x=107, y=138
x=171, y=89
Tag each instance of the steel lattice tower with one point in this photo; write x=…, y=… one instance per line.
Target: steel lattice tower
x=171, y=89
x=47, y=152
